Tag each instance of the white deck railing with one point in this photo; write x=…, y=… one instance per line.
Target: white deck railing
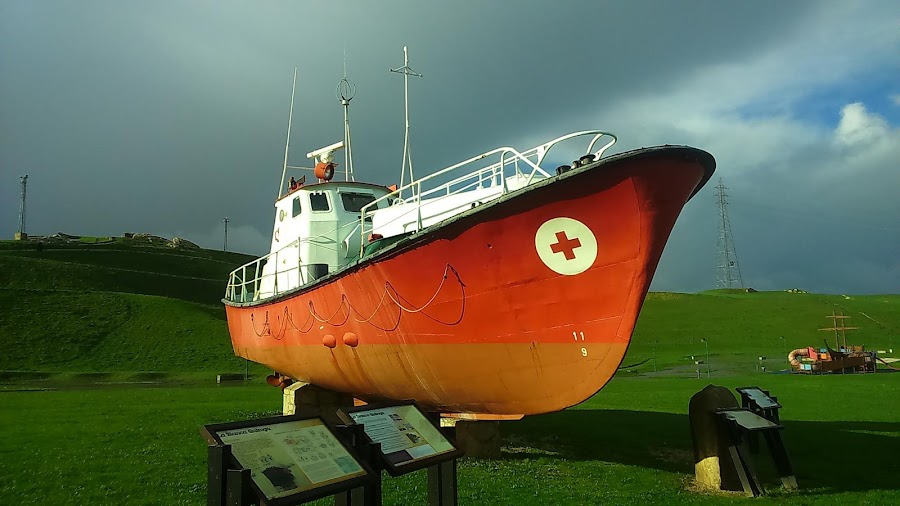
x=487, y=176
x=238, y=281
x=525, y=165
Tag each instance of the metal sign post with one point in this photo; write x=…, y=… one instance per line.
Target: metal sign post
x=442, y=484
x=407, y=441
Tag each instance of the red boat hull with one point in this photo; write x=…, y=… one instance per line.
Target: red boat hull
x=523, y=306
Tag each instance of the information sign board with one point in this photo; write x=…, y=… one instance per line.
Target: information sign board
x=409, y=441
x=748, y=419
x=759, y=397
x=291, y=458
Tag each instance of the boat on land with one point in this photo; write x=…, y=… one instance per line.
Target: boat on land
x=501, y=286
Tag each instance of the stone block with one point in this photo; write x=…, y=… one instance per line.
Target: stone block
x=712, y=467
x=479, y=438
x=308, y=397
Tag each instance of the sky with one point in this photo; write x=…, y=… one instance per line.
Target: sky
x=164, y=117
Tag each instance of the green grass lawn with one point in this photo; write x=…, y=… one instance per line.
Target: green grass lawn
x=630, y=444
x=123, y=311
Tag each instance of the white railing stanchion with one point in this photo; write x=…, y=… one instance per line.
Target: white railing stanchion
x=362, y=231
x=419, y=208
x=502, y=173
x=257, y=275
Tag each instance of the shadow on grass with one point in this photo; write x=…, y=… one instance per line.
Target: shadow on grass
x=149, y=376
x=22, y=376
x=835, y=456
x=91, y=376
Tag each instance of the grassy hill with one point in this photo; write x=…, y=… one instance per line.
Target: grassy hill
x=740, y=327
x=114, y=305
x=120, y=265
x=138, y=305
x=103, y=331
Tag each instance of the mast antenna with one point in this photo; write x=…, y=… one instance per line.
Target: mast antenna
x=287, y=143
x=24, y=181
x=345, y=92
x=728, y=274
x=225, y=244
x=407, y=154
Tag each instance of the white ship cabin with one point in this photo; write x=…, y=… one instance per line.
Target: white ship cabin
x=316, y=232
x=324, y=226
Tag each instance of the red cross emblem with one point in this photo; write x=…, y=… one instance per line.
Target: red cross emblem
x=565, y=235
x=565, y=245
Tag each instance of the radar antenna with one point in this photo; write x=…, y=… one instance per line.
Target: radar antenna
x=345, y=92
x=407, y=154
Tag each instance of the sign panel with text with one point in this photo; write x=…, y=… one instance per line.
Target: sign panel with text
x=409, y=441
x=292, y=457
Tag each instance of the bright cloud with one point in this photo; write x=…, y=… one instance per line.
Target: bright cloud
x=860, y=128
x=812, y=204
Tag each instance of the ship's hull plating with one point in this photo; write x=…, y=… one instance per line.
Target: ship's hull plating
x=526, y=306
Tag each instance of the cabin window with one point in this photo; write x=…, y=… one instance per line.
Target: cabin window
x=354, y=202
x=319, y=201
x=296, y=206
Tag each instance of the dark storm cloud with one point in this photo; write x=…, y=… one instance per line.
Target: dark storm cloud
x=166, y=116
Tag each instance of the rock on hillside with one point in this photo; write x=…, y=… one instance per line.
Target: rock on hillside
x=178, y=242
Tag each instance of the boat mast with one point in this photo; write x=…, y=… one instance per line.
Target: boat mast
x=407, y=154
x=287, y=143
x=345, y=92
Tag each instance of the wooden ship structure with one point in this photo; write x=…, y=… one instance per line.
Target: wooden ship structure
x=841, y=359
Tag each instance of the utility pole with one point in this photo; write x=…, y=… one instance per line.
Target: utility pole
x=728, y=274
x=703, y=340
x=21, y=233
x=225, y=246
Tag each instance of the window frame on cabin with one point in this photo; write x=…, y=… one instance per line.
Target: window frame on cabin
x=352, y=194
x=312, y=205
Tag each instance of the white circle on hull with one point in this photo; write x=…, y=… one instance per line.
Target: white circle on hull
x=566, y=246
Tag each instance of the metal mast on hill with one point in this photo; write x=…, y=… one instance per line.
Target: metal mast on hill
x=24, y=180
x=225, y=244
x=407, y=154
x=728, y=274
